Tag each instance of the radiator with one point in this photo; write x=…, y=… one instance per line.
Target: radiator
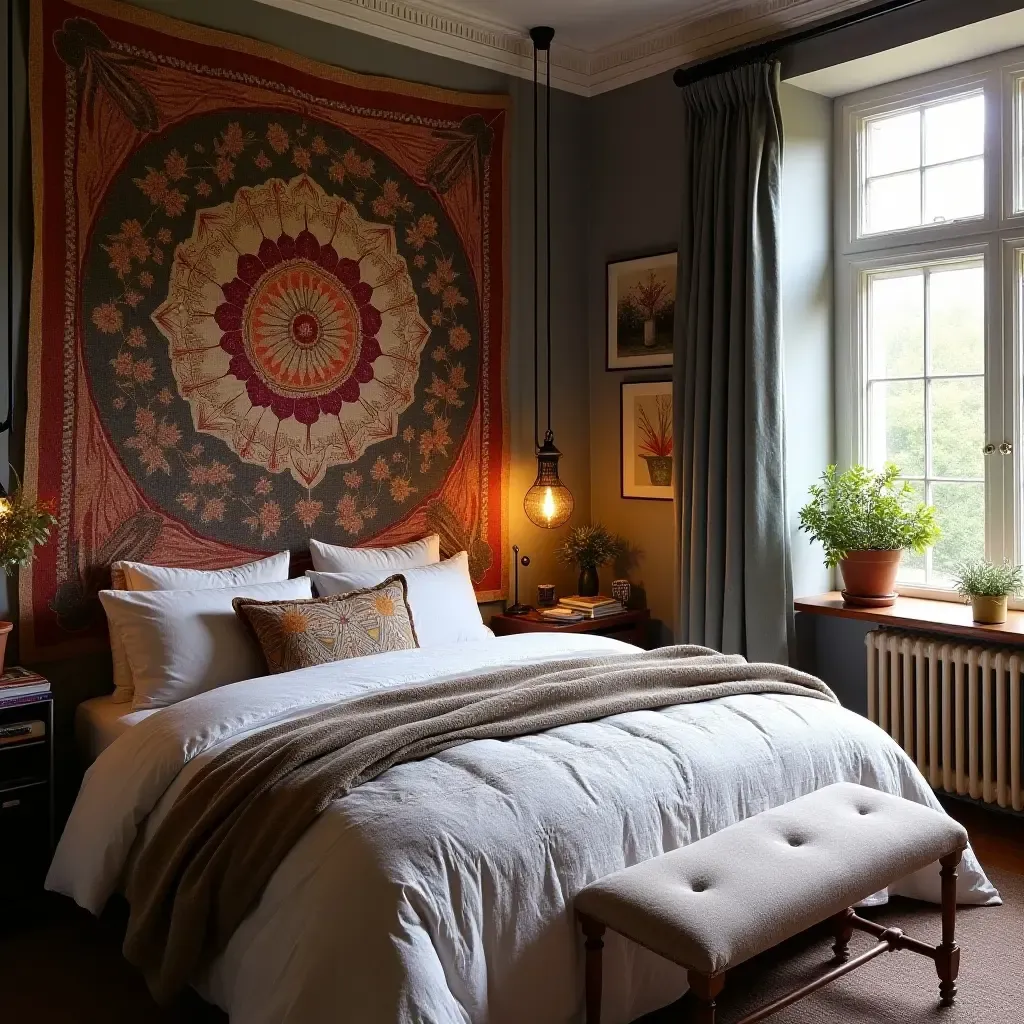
x=954, y=707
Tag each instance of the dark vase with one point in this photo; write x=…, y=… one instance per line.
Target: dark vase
x=589, y=585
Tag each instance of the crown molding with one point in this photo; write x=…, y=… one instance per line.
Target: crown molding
x=712, y=28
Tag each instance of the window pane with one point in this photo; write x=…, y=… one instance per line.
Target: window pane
x=896, y=423
x=956, y=319
x=1018, y=157
x=912, y=567
x=961, y=515
x=896, y=325
x=893, y=143
x=891, y=204
x=958, y=427
x=954, y=191
x=954, y=130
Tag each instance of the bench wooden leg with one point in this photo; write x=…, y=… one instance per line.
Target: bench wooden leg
x=842, y=929
x=705, y=988
x=947, y=956
x=594, y=934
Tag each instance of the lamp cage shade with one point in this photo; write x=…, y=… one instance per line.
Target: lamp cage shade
x=548, y=503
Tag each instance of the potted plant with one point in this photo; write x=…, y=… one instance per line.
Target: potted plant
x=655, y=441
x=588, y=548
x=23, y=525
x=987, y=586
x=865, y=520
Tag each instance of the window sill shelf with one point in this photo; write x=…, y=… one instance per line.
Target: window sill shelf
x=949, y=618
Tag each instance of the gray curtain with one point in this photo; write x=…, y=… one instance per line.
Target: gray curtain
x=735, y=586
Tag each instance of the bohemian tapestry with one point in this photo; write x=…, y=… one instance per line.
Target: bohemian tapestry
x=268, y=303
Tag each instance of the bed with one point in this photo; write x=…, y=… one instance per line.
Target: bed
x=440, y=891
x=100, y=720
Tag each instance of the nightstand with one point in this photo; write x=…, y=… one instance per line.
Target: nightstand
x=26, y=795
x=632, y=627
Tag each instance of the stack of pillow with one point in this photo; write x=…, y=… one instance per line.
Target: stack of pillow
x=175, y=632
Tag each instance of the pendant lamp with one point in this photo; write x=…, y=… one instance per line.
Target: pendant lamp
x=548, y=503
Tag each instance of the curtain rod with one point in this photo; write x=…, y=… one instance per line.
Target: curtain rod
x=697, y=72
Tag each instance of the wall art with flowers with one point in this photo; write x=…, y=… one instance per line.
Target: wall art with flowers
x=647, y=439
x=269, y=304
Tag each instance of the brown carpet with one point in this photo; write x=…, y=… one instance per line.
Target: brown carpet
x=897, y=988
x=60, y=966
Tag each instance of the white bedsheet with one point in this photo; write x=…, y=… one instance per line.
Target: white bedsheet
x=440, y=893
x=100, y=720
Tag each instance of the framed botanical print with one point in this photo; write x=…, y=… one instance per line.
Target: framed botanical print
x=647, y=441
x=641, y=312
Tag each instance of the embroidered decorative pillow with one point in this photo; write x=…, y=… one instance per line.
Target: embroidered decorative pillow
x=298, y=634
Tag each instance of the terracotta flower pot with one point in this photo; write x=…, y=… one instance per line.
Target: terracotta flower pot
x=5, y=631
x=988, y=609
x=870, y=577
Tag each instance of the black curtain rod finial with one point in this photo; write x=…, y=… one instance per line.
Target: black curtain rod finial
x=542, y=36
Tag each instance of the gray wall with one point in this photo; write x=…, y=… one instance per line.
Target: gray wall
x=806, y=244
x=635, y=160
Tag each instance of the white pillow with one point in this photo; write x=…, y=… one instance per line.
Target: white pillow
x=139, y=576
x=332, y=558
x=183, y=642
x=441, y=598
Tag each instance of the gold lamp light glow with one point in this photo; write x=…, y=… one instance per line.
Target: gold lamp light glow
x=548, y=503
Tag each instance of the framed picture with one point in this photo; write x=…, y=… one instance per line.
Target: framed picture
x=641, y=312
x=646, y=412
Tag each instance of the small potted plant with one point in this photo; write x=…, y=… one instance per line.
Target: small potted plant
x=987, y=586
x=865, y=521
x=23, y=525
x=588, y=548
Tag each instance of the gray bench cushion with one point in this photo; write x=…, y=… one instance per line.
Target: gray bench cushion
x=740, y=891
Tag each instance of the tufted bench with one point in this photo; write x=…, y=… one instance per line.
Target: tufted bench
x=711, y=905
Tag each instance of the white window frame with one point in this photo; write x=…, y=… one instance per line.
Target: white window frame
x=997, y=236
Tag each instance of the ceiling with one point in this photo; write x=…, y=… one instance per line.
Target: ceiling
x=939, y=51
x=584, y=24
x=599, y=44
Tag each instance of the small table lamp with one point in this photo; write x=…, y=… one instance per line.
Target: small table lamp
x=517, y=608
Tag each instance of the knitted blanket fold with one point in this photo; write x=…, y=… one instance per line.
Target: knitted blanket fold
x=207, y=862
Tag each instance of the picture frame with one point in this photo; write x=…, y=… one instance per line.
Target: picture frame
x=641, y=304
x=646, y=439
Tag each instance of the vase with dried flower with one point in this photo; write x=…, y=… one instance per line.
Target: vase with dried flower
x=650, y=298
x=588, y=548
x=655, y=441
x=23, y=525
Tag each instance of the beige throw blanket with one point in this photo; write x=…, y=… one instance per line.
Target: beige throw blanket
x=209, y=859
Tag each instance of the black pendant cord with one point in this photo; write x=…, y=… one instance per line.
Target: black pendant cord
x=547, y=215
x=5, y=424
x=536, y=255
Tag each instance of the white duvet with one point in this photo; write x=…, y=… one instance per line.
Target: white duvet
x=441, y=892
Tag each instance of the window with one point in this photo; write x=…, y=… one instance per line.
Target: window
x=925, y=398
x=925, y=165
x=930, y=271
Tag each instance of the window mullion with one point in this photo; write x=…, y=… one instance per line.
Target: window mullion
x=927, y=384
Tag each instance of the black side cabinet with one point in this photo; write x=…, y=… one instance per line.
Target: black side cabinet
x=26, y=797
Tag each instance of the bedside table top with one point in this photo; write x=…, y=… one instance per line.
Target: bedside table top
x=22, y=676
x=534, y=622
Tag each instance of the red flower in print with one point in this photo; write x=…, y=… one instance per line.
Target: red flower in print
x=300, y=327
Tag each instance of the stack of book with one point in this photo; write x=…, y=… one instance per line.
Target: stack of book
x=576, y=609
x=17, y=684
